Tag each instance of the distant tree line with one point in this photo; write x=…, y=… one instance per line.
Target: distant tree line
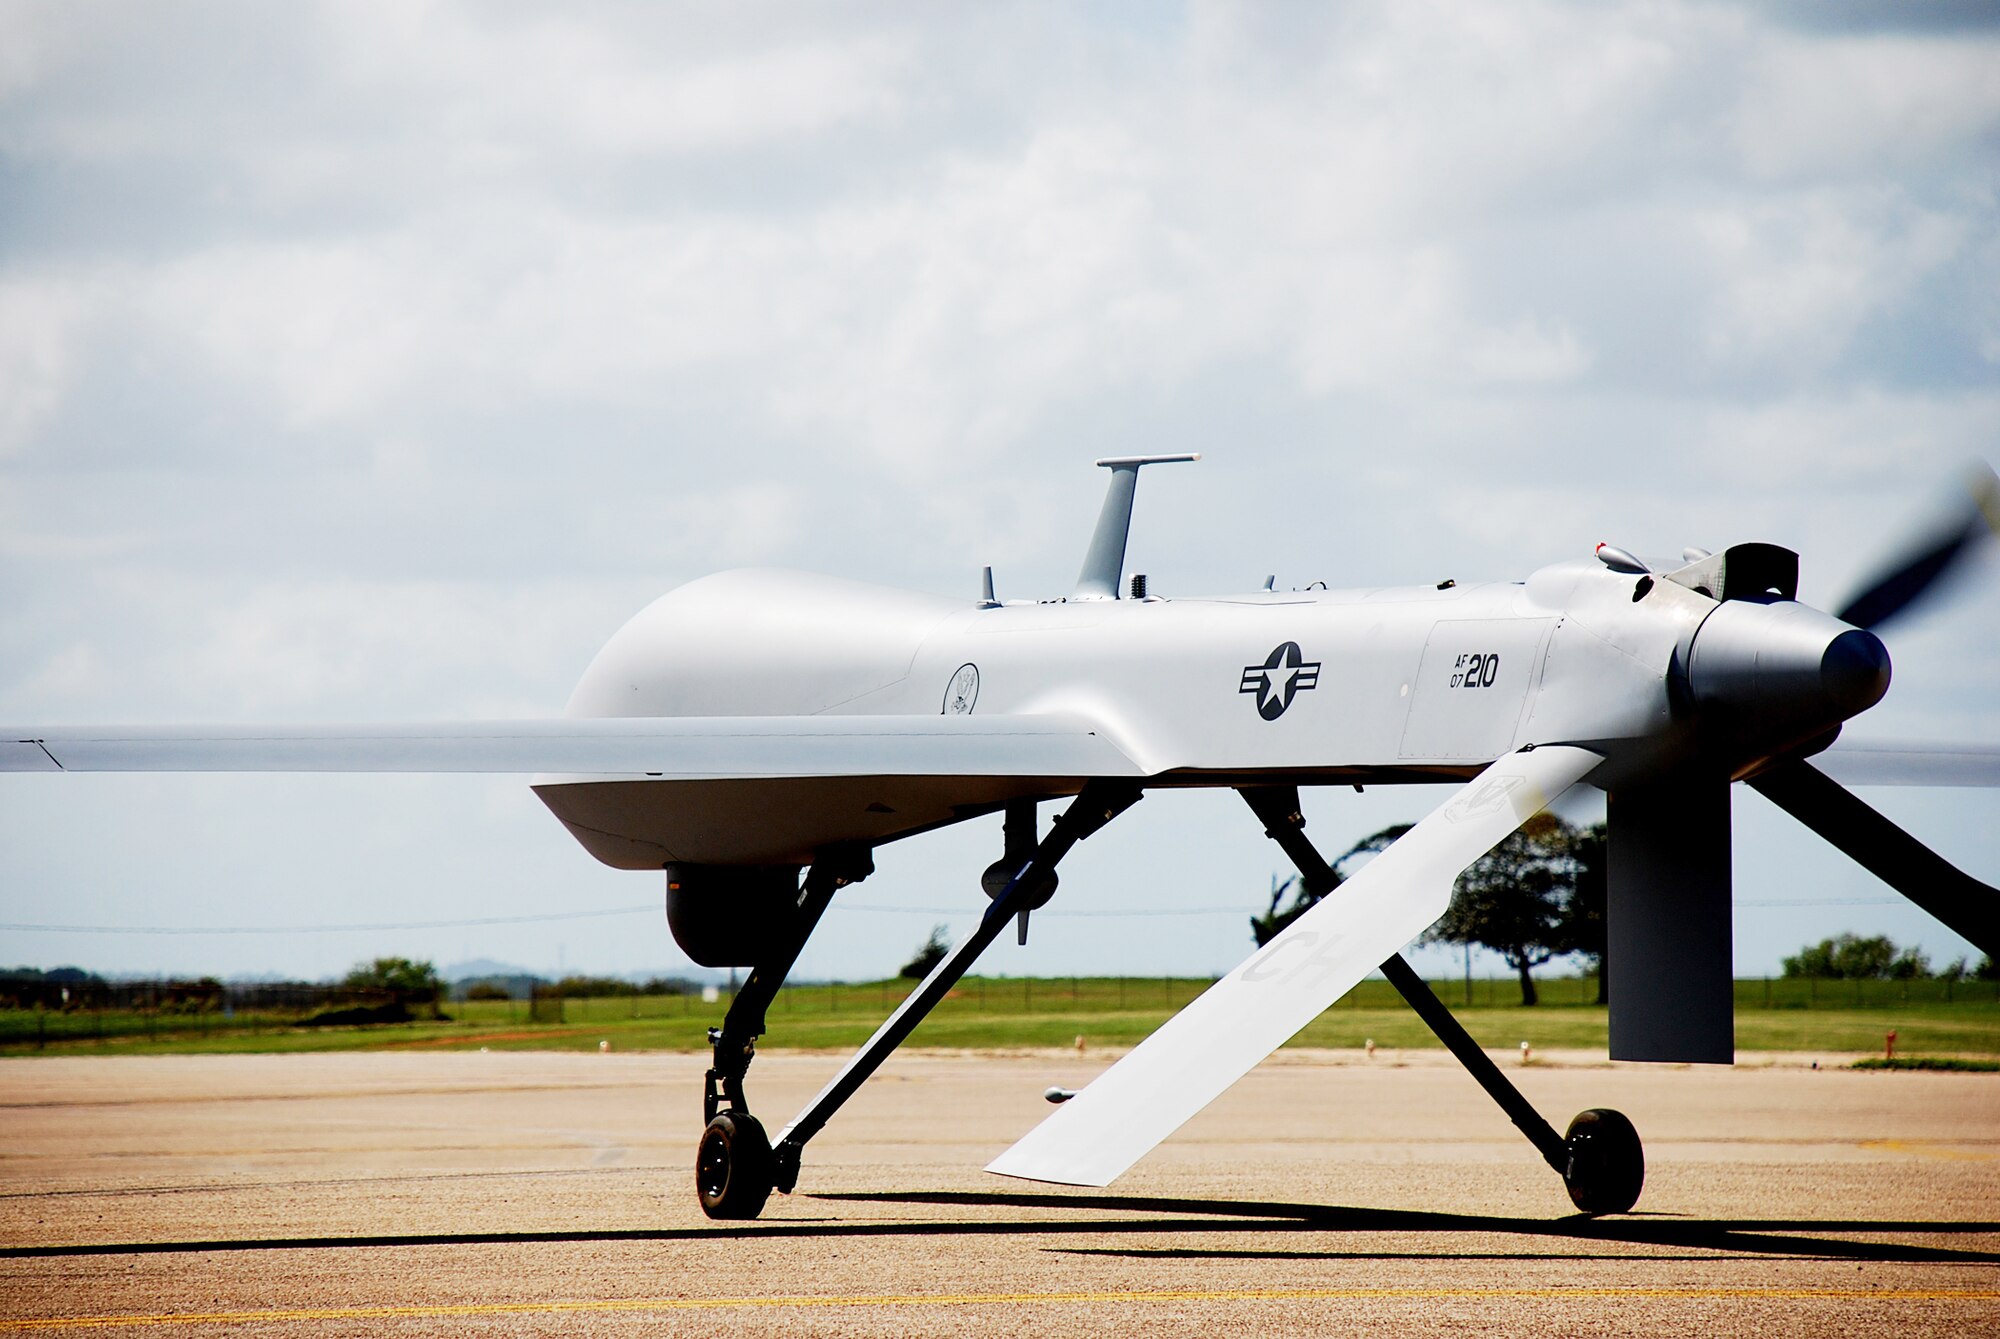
x=384, y=990
x=608, y=987
x=1852, y=957
x=62, y=989
x=412, y=984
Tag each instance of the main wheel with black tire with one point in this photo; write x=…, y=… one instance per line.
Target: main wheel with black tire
x=1607, y=1166
x=733, y=1168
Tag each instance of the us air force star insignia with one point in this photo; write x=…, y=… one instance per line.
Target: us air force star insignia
x=1284, y=674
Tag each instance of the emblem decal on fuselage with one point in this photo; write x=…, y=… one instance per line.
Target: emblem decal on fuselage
x=962, y=691
x=1284, y=674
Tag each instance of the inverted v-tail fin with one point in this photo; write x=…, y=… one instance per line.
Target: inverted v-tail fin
x=1104, y=564
x=1131, y=1107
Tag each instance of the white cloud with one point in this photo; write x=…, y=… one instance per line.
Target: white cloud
x=638, y=82
x=1795, y=279
x=365, y=360
x=42, y=323
x=206, y=649
x=1844, y=107
x=1525, y=351
x=324, y=330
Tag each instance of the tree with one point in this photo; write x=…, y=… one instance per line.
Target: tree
x=1850, y=957
x=1581, y=929
x=1912, y=964
x=930, y=955
x=1265, y=928
x=393, y=974
x=1272, y=923
x=412, y=982
x=1515, y=899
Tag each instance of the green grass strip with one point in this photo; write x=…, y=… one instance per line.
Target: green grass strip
x=997, y=1013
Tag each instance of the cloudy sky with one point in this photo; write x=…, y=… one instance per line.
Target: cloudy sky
x=372, y=362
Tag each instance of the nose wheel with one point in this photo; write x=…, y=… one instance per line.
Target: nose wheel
x=734, y=1169
x=1607, y=1166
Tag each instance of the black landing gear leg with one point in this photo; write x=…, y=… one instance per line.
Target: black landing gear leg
x=1600, y=1160
x=761, y=1168
x=733, y=1165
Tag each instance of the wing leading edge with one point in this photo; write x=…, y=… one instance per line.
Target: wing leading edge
x=681, y=748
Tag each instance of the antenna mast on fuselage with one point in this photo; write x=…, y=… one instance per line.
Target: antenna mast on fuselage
x=1104, y=563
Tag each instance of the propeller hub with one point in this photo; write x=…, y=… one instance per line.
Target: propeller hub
x=1772, y=673
x=1854, y=671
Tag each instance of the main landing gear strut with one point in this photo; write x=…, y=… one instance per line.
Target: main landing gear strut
x=1600, y=1160
x=737, y=1166
x=733, y=1167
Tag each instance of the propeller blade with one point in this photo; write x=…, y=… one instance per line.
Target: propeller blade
x=1962, y=902
x=1934, y=555
x=1910, y=763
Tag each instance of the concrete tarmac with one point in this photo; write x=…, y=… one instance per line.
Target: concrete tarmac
x=536, y=1193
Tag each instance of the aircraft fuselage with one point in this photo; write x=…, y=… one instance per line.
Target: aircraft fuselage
x=1372, y=686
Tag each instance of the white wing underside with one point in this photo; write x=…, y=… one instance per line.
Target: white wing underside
x=683, y=748
x=1199, y=1052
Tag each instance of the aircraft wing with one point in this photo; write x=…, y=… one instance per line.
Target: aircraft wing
x=685, y=748
x=1127, y=1110
x=1907, y=763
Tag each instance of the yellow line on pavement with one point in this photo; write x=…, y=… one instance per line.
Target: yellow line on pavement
x=477, y=1309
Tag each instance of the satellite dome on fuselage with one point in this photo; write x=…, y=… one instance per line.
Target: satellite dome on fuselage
x=761, y=642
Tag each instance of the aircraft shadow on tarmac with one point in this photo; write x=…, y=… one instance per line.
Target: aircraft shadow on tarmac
x=1734, y=1236
x=1166, y=1216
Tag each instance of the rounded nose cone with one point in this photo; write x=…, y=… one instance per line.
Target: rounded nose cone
x=1777, y=673
x=1855, y=671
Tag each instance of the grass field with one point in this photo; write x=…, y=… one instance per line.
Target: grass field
x=1929, y=1018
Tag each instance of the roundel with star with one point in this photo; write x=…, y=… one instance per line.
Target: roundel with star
x=1284, y=674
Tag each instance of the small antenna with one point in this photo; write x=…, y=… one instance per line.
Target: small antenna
x=1618, y=560
x=986, y=600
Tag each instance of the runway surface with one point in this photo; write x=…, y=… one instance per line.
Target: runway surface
x=531, y=1193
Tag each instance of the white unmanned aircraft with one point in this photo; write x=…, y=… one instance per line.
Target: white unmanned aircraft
x=755, y=724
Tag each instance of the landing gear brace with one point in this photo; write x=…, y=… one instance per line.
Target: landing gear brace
x=1600, y=1160
x=737, y=1166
